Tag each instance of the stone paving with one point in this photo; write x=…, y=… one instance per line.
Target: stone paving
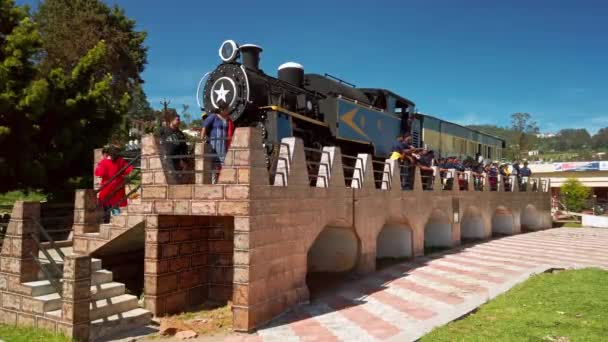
x=405, y=301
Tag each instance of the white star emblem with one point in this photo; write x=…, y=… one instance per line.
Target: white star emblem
x=221, y=93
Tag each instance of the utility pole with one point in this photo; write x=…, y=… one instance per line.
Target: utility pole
x=165, y=105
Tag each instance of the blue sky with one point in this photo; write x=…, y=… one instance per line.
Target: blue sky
x=471, y=62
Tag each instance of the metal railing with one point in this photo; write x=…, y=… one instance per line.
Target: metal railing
x=314, y=165
x=349, y=164
x=382, y=174
x=407, y=174
x=55, y=273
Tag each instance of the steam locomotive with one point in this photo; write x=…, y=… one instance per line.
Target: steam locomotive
x=324, y=110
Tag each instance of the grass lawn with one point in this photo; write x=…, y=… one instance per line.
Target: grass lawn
x=564, y=306
x=573, y=225
x=20, y=334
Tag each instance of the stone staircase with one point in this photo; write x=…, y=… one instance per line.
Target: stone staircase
x=119, y=224
x=111, y=309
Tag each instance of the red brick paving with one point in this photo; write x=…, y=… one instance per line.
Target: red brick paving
x=429, y=292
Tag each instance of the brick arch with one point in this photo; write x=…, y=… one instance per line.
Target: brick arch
x=472, y=225
x=334, y=249
x=395, y=240
x=530, y=218
x=438, y=229
x=503, y=221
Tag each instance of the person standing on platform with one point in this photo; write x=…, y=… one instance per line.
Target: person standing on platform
x=220, y=128
x=174, y=144
x=112, y=195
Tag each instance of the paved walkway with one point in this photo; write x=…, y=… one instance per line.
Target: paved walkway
x=405, y=301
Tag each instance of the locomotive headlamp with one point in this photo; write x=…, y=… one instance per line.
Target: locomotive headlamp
x=229, y=51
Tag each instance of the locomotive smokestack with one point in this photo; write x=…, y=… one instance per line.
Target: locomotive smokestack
x=250, y=55
x=293, y=73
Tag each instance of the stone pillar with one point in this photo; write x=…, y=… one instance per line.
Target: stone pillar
x=154, y=168
x=514, y=183
x=486, y=182
x=391, y=178
x=363, y=175
x=97, y=155
x=16, y=262
x=76, y=296
x=331, y=171
x=516, y=220
x=437, y=183
x=417, y=179
x=87, y=217
x=455, y=180
x=470, y=180
x=500, y=183
x=245, y=161
x=291, y=165
x=529, y=184
x=202, y=165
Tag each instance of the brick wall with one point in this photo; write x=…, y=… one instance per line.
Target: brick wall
x=188, y=260
x=276, y=225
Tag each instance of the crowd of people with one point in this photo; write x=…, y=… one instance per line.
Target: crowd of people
x=410, y=157
x=217, y=130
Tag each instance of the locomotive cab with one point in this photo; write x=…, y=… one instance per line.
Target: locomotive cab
x=394, y=104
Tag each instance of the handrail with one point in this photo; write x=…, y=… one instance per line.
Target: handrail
x=49, y=239
x=127, y=196
x=53, y=280
x=124, y=182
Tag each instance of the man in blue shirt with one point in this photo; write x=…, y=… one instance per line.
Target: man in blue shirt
x=219, y=126
x=525, y=171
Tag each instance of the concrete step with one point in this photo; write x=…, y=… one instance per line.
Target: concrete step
x=114, y=324
x=95, y=264
x=68, y=250
x=112, y=306
x=52, y=301
x=107, y=290
x=43, y=287
x=53, y=314
x=101, y=277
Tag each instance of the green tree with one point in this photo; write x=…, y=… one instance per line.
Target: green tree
x=572, y=139
x=19, y=42
x=70, y=28
x=574, y=195
x=140, y=108
x=525, y=130
x=600, y=139
x=50, y=120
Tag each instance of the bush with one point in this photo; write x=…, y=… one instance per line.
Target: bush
x=575, y=195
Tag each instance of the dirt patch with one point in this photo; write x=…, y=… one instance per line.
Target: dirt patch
x=208, y=319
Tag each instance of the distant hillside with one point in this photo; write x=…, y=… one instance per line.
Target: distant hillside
x=502, y=132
